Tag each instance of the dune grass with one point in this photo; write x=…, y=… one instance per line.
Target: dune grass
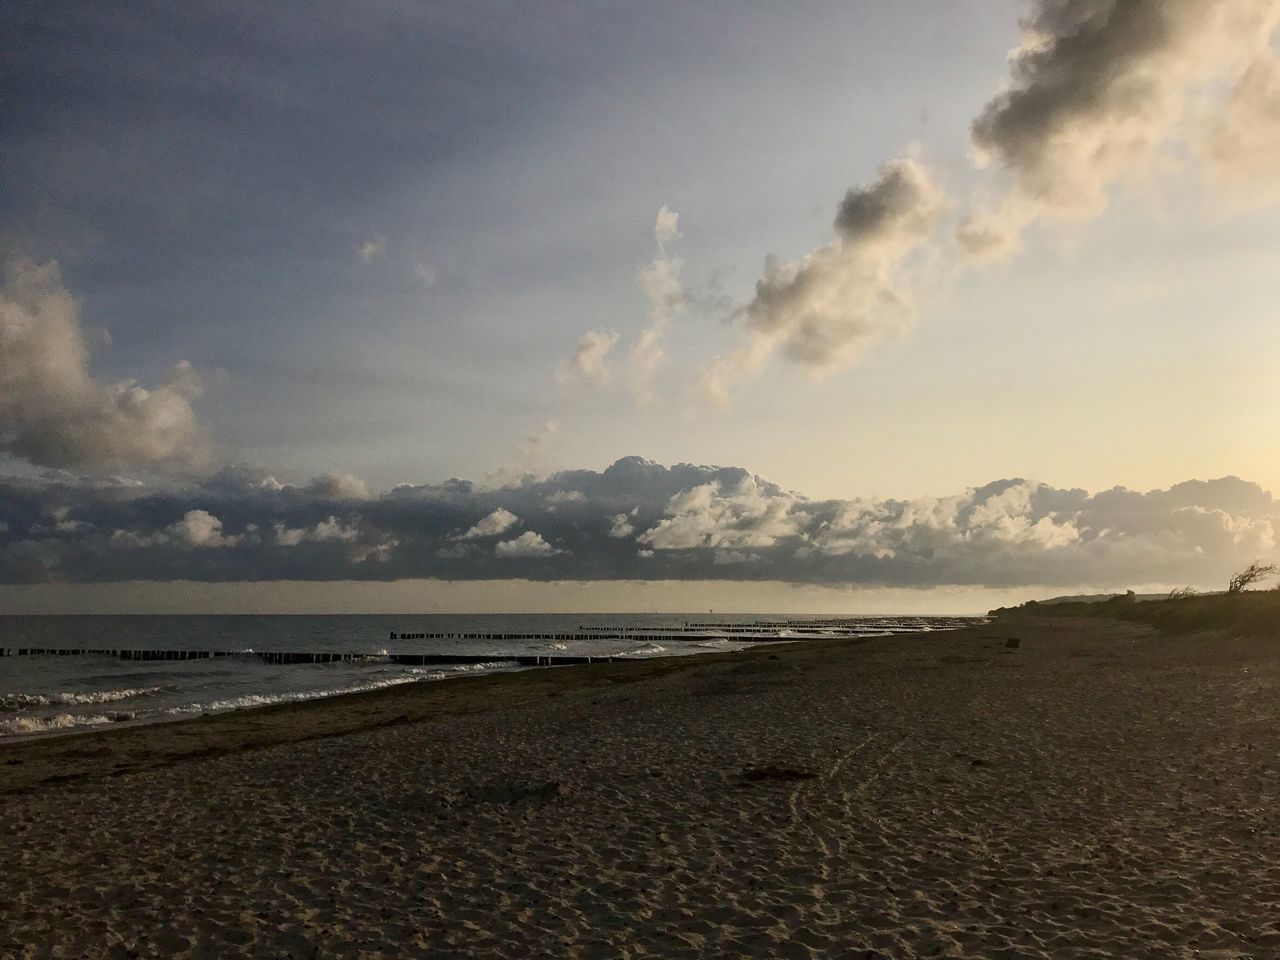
x=1251, y=613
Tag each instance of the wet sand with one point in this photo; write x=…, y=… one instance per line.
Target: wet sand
x=1096, y=792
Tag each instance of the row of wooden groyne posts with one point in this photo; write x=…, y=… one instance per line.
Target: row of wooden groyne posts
x=403, y=659
x=690, y=633
x=289, y=657
x=761, y=630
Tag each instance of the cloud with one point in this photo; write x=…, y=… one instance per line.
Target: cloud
x=1243, y=144
x=1101, y=92
x=337, y=485
x=329, y=529
x=199, y=528
x=53, y=412
x=588, y=361
x=634, y=520
x=355, y=542
x=371, y=249
x=748, y=515
x=527, y=545
x=196, y=529
x=825, y=309
x=662, y=286
x=498, y=522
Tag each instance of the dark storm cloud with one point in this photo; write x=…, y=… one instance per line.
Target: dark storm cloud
x=634, y=520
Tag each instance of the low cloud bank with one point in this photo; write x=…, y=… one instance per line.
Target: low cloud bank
x=636, y=520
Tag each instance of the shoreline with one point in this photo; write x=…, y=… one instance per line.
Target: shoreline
x=1096, y=789
x=132, y=746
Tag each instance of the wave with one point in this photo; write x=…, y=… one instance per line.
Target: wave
x=26, y=701
x=61, y=721
x=651, y=650
x=268, y=699
x=443, y=673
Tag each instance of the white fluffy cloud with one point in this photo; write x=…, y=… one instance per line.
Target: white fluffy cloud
x=620, y=526
x=527, y=545
x=357, y=542
x=196, y=529
x=496, y=523
x=825, y=309
x=199, y=528
x=1103, y=92
x=53, y=412
x=329, y=529
x=747, y=515
x=337, y=485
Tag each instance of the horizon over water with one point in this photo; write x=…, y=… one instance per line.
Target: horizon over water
x=45, y=694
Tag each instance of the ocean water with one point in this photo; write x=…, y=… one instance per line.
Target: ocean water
x=41, y=695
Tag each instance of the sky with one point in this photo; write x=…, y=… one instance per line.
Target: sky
x=874, y=305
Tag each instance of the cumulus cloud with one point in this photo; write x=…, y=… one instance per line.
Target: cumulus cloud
x=199, y=528
x=52, y=410
x=747, y=515
x=588, y=363
x=664, y=291
x=330, y=528
x=620, y=526
x=337, y=485
x=635, y=520
x=196, y=529
x=825, y=309
x=527, y=545
x=498, y=522
x=1102, y=92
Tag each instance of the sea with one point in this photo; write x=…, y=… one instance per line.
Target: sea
x=51, y=693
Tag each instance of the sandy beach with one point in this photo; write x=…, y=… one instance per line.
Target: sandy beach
x=1097, y=791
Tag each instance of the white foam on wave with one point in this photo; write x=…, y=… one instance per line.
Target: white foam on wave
x=443, y=673
x=268, y=699
x=22, y=726
x=651, y=650
x=26, y=701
